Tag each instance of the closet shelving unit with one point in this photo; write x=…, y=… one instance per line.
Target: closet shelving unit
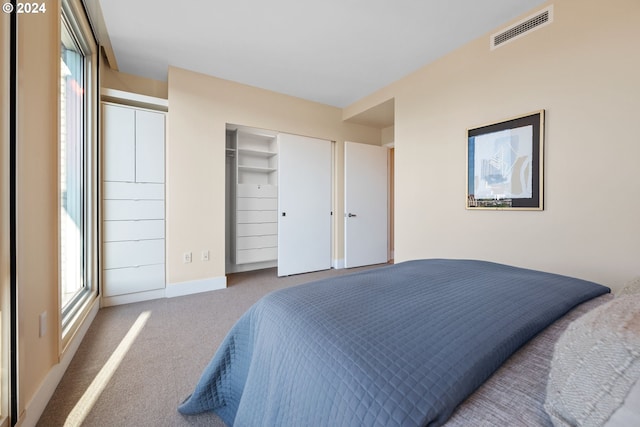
x=253, y=221
x=257, y=161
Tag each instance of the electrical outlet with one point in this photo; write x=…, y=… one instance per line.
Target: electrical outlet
x=186, y=257
x=43, y=324
x=205, y=256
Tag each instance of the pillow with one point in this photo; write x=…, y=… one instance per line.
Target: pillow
x=595, y=364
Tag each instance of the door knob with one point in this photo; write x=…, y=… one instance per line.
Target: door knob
x=350, y=214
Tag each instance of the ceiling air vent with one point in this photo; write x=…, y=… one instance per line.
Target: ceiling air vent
x=519, y=29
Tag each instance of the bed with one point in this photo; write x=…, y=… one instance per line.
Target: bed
x=409, y=344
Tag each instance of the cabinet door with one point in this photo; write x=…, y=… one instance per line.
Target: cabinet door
x=119, y=143
x=149, y=146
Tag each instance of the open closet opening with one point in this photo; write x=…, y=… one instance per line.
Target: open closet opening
x=251, y=199
x=278, y=201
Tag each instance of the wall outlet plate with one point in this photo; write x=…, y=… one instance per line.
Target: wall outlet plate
x=43, y=324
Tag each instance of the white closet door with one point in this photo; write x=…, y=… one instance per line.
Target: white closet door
x=149, y=146
x=119, y=143
x=365, y=204
x=304, y=204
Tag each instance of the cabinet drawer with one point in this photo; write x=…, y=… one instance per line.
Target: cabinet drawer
x=133, y=253
x=132, y=190
x=121, y=281
x=256, y=229
x=251, y=217
x=257, y=242
x=257, y=190
x=256, y=255
x=132, y=209
x=256, y=204
x=114, y=231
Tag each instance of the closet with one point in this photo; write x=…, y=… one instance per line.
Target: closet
x=133, y=210
x=278, y=210
x=254, y=199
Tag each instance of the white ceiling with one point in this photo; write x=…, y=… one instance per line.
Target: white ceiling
x=329, y=51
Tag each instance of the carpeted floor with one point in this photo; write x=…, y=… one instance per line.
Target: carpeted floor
x=161, y=365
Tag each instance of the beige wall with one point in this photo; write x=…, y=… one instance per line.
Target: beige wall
x=199, y=108
x=388, y=135
x=583, y=70
x=38, y=73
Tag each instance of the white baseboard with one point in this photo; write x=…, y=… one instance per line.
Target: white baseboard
x=338, y=263
x=35, y=407
x=195, y=287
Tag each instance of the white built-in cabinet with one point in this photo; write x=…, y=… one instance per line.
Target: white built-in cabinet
x=255, y=200
x=133, y=194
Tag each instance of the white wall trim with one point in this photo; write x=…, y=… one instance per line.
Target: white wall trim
x=122, y=96
x=195, y=286
x=36, y=406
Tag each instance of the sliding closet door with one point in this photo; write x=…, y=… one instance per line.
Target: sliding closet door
x=304, y=204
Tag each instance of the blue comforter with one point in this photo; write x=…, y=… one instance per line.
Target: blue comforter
x=401, y=345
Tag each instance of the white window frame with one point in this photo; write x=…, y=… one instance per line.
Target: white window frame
x=75, y=18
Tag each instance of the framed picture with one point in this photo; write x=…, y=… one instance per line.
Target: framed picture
x=505, y=164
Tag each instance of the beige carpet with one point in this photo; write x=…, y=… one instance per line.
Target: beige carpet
x=163, y=363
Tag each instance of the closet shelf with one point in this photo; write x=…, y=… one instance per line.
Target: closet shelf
x=256, y=169
x=257, y=153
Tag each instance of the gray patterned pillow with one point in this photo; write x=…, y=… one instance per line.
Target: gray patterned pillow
x=595, y=364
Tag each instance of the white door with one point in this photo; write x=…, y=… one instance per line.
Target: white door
x=365, y=204
x=304, y=204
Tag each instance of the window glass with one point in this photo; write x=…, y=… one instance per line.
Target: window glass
x=72, y=168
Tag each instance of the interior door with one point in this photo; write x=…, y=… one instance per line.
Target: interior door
x=304, y=204
x=365, y=204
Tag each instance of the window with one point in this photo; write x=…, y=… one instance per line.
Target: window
x=72, y=169
x=77, y=167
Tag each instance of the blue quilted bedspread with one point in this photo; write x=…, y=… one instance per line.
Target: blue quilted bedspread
x=401, y=345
